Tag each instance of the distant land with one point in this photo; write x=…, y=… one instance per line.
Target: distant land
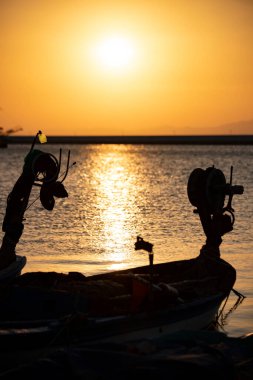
x=191, y=139
x=233, y=127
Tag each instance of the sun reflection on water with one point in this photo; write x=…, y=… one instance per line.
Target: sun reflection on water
x=112, y=179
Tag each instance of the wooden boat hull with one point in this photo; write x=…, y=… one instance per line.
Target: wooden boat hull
x=195, y=316
x=123, y=328
x=110, y=307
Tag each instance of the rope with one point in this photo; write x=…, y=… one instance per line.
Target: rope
x=234, y=307
x=238, y=294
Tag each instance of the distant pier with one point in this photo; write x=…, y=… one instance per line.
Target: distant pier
x=161, y=140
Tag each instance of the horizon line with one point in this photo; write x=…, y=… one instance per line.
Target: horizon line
x=244, y=139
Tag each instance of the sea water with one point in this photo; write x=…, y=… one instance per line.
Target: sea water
x=119, y=192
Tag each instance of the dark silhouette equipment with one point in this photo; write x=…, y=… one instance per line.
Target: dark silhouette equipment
x=207, y=190
x=40, y=169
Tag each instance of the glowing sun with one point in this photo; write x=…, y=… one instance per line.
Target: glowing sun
x=115, y=52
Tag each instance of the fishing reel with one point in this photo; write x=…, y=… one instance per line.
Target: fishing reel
x=40, y=169
x=207, y=190
x=45, y=169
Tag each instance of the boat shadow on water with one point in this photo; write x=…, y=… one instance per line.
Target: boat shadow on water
x=145, y=321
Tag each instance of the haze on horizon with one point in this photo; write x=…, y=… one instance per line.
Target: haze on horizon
x=130, y=67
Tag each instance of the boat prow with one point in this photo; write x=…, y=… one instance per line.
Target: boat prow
x=13, y=270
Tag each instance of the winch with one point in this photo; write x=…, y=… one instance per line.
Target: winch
x=207, y=190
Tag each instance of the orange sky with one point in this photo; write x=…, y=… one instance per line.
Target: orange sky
x=141, y=67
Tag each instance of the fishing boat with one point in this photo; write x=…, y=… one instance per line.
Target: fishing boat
x=50, y=308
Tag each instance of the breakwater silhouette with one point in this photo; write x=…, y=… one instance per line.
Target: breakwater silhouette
x=190, y=139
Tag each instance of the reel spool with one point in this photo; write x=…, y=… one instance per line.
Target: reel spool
x=206, y=191
x=207, y=188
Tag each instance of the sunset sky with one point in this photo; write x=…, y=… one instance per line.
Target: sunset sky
x=141, y=67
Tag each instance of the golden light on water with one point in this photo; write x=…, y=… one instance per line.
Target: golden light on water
x=114, y=201
x=122, y=203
